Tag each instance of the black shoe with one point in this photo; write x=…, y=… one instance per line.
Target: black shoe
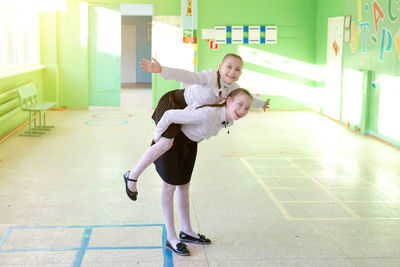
x=181, y=248
x=131, y=194
x=201, y=239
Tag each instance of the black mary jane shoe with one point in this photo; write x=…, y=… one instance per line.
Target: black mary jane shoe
x=181, y=248
x=131, y=194
x=201, y=239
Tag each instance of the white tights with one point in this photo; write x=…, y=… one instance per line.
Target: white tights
x=151, y=154
x=167, y=207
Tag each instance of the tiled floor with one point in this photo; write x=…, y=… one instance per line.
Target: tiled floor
x=282, y=189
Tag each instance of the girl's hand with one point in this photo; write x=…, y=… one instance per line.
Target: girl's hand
x=148, y=66
x=266, y=104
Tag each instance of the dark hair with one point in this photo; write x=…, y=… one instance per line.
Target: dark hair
x=232, y=94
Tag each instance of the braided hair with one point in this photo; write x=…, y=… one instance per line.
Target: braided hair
x=232, y=94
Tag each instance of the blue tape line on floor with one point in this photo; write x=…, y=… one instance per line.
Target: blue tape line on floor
x=84, y=246
x=5, y=236
x=168, y=260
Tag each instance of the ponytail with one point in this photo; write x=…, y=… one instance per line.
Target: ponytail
x=219, y=79
x=217, y=105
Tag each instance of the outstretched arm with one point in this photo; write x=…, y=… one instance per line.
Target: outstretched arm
x=258, y=103
x=266, y=104
x=180, y=75
x=148, y=66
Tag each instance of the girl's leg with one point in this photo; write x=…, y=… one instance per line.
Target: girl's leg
x=167, y=207
x=151, y=154
x=182, y=201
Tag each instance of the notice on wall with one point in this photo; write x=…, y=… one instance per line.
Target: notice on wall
x=220, y=34
x=207, y=34
x=271, y=34
x=254, y=34
x=237, y=34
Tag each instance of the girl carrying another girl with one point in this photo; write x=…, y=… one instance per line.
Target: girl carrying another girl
x=176, y=165
x=206, y=87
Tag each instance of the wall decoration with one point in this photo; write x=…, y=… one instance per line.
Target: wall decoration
x=237, y=34
x=386, y=43
x=220, y=34
x=254, y=34
x=189, y=21
x=364, y=26
x=392, y=15
x=347, y=35
x=347, y=21
x=397, y=42
x=148, y=32
x=376, y=29
x=242, y=34
x=373, y=38
x=228, y=34
x=354, y=37
x=378, y=15
x=271, y=34
x=246, y=34
x=189, y=8
x=213, y=45
x=335, y=47
x=207, y=34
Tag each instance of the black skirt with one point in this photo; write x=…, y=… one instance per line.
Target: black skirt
x=176, y=165
x=171, y=100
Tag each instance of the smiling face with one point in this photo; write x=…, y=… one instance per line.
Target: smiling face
x=230, y=69
x=237, y=106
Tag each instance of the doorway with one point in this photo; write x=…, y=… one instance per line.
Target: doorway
x=136, y=22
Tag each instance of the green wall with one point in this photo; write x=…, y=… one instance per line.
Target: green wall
x=296, y=43
x=160, y=7
x=49, y=55
x=73, y=58
x=325, y=9
x=367, y=52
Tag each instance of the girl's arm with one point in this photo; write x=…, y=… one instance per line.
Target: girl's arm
x=189, y=115
x=180, y=75
x=258, y=103
x=185, y=76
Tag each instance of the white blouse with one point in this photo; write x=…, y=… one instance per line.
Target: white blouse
x=197, y=124
x=203, y=86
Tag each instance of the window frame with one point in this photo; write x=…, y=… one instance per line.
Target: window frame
x=22, y=25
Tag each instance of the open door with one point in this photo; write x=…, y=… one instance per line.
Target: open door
x=104, y=55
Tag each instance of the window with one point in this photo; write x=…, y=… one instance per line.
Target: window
x=19, y=36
